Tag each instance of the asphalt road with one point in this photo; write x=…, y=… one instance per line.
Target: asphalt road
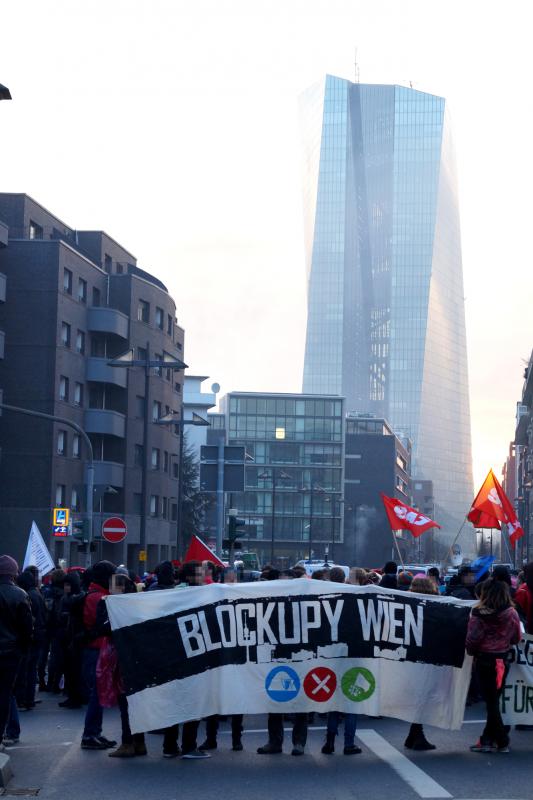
x=49, y=759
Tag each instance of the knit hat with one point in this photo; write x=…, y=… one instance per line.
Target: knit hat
x=8, y=566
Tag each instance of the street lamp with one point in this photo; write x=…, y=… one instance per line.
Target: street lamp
x=170, y=419
x=5, y=94
x=314, y=488
x=264, y=475
x=126, y=361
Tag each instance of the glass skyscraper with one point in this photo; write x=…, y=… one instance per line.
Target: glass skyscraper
x=386, y=323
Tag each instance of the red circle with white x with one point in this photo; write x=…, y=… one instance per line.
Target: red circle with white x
x=320, y=684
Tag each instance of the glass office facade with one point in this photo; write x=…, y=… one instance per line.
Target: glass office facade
x=294, y=471
x=386, y=325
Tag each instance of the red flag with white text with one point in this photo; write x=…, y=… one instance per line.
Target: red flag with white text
x=492, y=507
x=403, y=517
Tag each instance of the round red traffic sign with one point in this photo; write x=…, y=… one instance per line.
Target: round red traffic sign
x=114, y=530
x=320, y=684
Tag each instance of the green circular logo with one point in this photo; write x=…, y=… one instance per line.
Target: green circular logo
x=358, y=684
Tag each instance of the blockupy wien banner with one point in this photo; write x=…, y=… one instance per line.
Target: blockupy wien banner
x=289, y=646
x=516, y=699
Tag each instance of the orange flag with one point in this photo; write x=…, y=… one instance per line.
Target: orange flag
x=492, y=507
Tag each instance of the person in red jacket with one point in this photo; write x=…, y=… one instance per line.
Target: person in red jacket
x=92, y=738
x=524, y=597
x=493, y=627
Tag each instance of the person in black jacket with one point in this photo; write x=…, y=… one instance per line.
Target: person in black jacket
x=390, y=575
x=27, y=675
x=16, y=630
x=73, y=638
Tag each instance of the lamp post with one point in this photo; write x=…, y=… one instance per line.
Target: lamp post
x=264, y=475
x=314, y=488
x=127, y=360
x=170, y=419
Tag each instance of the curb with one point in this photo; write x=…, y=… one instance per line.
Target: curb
x=6, y=773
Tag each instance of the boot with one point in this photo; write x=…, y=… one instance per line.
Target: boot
x=329, y=745
x=123, y=751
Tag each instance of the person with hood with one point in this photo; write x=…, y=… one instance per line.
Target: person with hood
x=16, y=630
x=71, y=619
x=493, y=627
x=466, y=586
x=389, y=579
x=27, y=675
x=53, y=594
x=100, y=576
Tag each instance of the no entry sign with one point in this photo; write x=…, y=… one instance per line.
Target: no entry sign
x=114, y=530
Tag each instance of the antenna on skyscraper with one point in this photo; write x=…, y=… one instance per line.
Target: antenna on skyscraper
x=356, y=67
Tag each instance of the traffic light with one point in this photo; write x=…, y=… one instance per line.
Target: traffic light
x=233, y=529
x=81, y=532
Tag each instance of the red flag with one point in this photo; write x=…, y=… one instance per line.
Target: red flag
x=404, y=517
x=198, y=551
x=492, y=507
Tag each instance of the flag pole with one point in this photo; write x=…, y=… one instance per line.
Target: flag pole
x=454, y=542
x=395, y=540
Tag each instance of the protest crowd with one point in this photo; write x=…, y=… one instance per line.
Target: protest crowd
x=56, y=638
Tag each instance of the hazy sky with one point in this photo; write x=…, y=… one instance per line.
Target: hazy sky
x=174, y=127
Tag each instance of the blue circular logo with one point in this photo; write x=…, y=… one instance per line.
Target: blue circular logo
x=282, y=684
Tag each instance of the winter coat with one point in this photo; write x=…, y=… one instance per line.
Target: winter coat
x=492, y=631
x=524, y=599
x=16, y=621
x=94, y=595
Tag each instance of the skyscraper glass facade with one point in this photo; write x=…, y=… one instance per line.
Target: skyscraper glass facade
x=386, y=325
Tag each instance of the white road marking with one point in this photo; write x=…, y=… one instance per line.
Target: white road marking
x=417, y=779
x=37, y=746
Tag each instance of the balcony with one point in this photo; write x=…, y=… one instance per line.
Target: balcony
x=109, y=473
x=108, y=320
x=100, y=420
x=99, y=371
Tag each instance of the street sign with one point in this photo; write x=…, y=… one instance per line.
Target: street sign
x=61, y=531
x=142, y=555
x=61, y=517
x=234, y=461
x=114, y=530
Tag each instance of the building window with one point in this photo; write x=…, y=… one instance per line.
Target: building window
x=159, y=317
x=169, y=324
x=165, y=461
x=78, y=394
x=138, y=454
x=156, y=410
x=137, y=503
x=63, y=388
x=36, y=232
x=67, y=281
x=75, y=500
x=76, y=445
x=142, y=354
x=80, y=342
x=174, y=512
x=139, y=407
x=175, y=469
x=177, y=387
x=156, y=457
x=61, y=495
x=159, y=370
x=65, y=334
x=96, y=297
x=154, y=505
x=120, y=269
x=164, y=507
x=108, y=263
x=61, y=443
x=82, y=290
x=143, y=311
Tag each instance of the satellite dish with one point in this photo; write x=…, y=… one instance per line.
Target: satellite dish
x=215, y=388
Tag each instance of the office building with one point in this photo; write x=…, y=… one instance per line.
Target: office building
x=294, y=443
x=376, y=462
x=386, y=321
x=75, y=300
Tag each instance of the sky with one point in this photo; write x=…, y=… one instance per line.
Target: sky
x=174, y=127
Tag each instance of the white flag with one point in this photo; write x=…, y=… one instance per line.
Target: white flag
x=37, y=553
